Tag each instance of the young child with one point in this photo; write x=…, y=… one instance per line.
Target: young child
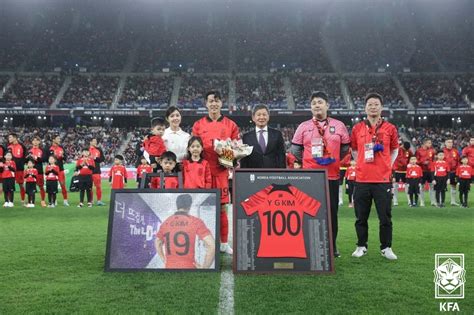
x=153, y=143
x=196, y=170
x=118, y=173
x=52, y=177
x=350, y=182
x=297, y=164
x=31, y=178
x=8, y=175
x=143, y=169
x=413, y=180
x=464, y=174
x=168, y=166
x=440, y=169
x=84, y=167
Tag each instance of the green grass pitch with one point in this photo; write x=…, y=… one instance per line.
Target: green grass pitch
x=51, y=261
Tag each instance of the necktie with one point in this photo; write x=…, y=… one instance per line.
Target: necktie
x=261, y=140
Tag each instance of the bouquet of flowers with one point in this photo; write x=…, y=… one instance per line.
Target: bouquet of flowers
x=230, y=150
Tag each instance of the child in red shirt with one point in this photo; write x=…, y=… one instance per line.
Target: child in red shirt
x=84, y=167
x=153, y=143
x=31, y=177
x=8, y=169
x=413, y=180
x=440, y=169
x=350, y=181
x=118, y=173
x=52, y=177
x=196, y=170
x=143, y=169
x=168, y=165
x=464, y=175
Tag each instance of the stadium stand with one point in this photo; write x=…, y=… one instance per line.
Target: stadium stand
x=90, y=92
x=32, y=91
x=146, y=92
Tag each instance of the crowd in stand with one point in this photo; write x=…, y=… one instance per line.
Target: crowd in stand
x=90, y=91
x=361, y=86
x=433, y=92
x=146, y=92
x=34, y=91
x=252, y=90
x=304, y=85
x=193, y=87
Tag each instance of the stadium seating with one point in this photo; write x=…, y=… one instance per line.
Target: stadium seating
x=433, y=92
x=146, y=92
x=90, y=92
x=360, y=86
x=304, y=85
x=194, y=87
x=252, y=90
x=32, y=91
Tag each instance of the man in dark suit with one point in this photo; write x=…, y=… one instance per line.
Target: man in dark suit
x=268, y=145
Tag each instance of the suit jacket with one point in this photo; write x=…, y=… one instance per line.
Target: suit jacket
x=274, y=155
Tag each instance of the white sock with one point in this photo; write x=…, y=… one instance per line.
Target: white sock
x=453, y=194
x=340, y=194
x=395, y=192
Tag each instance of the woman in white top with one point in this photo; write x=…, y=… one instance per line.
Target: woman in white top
x=176, y=140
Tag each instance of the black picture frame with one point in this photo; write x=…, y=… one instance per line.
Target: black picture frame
x=110, y=229
x=284, y=173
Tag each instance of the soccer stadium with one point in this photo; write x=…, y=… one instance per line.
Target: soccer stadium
x=107, y=106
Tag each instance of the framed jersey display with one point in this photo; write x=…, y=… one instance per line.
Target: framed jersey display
x=282, y=221
x=163, y=230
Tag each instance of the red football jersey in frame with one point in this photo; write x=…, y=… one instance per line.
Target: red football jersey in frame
x=281, y=210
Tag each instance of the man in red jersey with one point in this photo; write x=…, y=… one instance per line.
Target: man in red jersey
x=320, y=143
x=60, y=154
x=19, y=153
x=469, y=152
x=212, y=127
x=374, y=144
x=451, y=156
x=176, y=238
x=98, y=156
x=400, y=169
x=36, y=153
x=425, y=156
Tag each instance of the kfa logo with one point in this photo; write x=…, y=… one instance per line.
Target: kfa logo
x=449, y=280
x=449, y=276
x=252, y=178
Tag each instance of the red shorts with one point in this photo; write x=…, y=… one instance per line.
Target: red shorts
x=40, y=180
x=19, y=177
x=62, y=177
x=221, y=181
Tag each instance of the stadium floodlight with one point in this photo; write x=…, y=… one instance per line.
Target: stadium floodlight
x=44, y=117
x=424, y=117
x=452, y=118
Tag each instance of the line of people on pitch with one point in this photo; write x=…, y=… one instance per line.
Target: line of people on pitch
x=428, y=170
x=47, y=179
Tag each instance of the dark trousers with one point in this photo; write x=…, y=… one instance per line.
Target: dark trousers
x=334, y=204
x=440, y=188
x=381, y=194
